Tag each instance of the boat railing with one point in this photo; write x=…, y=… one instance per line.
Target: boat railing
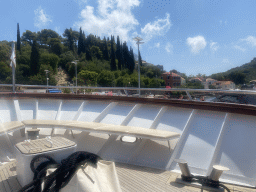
x=160, y=93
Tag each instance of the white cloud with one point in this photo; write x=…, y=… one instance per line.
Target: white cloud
x=214, y=46
x=196, y=44
x=156, y=28
x=239, y=48
x=250, y=40
x=169, y=48
x=157, y=45
x=41, y=18
x=112, y=17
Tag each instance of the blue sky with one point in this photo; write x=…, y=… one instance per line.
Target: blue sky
x=191, y=36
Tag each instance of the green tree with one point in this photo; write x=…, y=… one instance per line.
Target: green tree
x=55, y=46
x=65, y=58
x=131, y=60
x=105, y=78
x=212, y=87
x=118, y=53
x=28, y=36
x=105, y=49
x=5, y=71
x=237, y=77
x=45, y=35
x=96, y=52
x=154, y=83
x=18, y=37
x=80, y=43
x=88, y=77
x=113, y=56
x=70, y=35
x=5, y=50
x=34, y=58
x=51, y=59
x=140, y=59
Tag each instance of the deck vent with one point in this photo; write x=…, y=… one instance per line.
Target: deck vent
x=217, y=170
x=128, y=139
x=183, y=167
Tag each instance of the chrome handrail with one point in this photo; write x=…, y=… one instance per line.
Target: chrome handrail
x=133, y=88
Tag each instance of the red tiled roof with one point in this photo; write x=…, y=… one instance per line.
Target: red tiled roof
x=195, y=78
x=171, y=74
x=224, y=82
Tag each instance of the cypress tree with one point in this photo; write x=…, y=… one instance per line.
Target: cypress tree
x=34, y=58
x=118, y=53
x=84, y=39
x=18, y=37
x=105, y=49
x=139, y=60
x=113, y=57
x=121, y=55
x=132, y=60
x=80, y=42
x=125, y=55
x=87, y=48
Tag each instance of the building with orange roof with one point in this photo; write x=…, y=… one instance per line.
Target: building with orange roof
x=171, y=79
x=224, y=85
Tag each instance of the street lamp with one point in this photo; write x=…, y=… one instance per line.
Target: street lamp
x=75, y=62
x=47, y=71
x=138, y=42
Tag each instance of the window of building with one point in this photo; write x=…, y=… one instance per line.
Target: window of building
x=168, y=77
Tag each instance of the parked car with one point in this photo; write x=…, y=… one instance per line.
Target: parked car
x=53, y=91
x=248, y=87
x=237, y=98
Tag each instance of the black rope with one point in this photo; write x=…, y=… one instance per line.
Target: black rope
x=204, y=181
x=61, y=176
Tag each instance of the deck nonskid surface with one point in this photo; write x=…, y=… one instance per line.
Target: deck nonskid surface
x=131, y=177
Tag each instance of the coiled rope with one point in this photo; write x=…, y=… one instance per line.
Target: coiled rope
x=61, y=176
x=204, y=181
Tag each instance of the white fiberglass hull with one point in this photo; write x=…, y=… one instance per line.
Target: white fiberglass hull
x=207, y=137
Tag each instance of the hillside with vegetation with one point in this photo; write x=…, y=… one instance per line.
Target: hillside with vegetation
x=239, y=75
x=100, y=62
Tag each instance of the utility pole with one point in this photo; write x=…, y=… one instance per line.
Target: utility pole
x=75, y=62
x=138, y=42
x=46, y=72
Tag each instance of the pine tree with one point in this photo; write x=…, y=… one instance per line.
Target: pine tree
x=68, y=33
x=113, y=57
x=18, y=37
x=34, y=58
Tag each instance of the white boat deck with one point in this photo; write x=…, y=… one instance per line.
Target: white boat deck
x=207, y=137
x=131, y=177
